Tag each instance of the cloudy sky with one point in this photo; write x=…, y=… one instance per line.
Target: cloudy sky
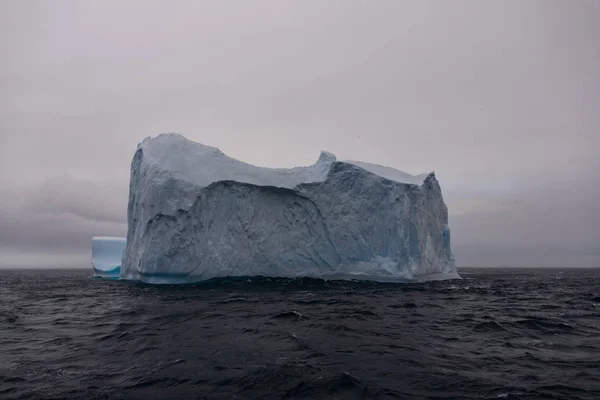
x=500, y=98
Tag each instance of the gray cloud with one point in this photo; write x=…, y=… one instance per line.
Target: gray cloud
x=500, y=98
x=92, y=201
x=52, y=223
x=557, y=226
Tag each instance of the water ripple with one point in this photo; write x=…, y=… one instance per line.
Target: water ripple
x=508, y=334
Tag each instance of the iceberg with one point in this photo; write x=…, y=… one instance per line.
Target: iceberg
x=107, y=253
x=195, y=214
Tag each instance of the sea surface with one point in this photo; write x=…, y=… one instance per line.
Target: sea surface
x=497, y=333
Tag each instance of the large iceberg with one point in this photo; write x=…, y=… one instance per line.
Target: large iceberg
x=195, y=214
x=107, y=253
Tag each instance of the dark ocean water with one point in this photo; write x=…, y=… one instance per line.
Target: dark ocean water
x=514, y=334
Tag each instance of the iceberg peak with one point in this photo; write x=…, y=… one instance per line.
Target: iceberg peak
x=326, y=157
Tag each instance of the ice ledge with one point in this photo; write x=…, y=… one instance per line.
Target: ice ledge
x=108, y=239
x=203, y=165
x=391, y=174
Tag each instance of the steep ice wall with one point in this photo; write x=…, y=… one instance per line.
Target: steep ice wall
x=107, y=253
x=196, y=214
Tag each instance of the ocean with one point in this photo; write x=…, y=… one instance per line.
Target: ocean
x=497, y=333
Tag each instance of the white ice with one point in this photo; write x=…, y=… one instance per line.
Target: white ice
x=106, y=256
x=391, y=173
x=195, y=214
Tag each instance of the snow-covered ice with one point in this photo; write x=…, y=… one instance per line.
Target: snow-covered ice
x=107, y=253
x=195, y=214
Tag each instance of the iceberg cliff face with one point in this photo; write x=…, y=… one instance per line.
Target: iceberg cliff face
x=196, y=214
x=107, y=253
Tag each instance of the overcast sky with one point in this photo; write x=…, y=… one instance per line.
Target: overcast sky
x=500, y=98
